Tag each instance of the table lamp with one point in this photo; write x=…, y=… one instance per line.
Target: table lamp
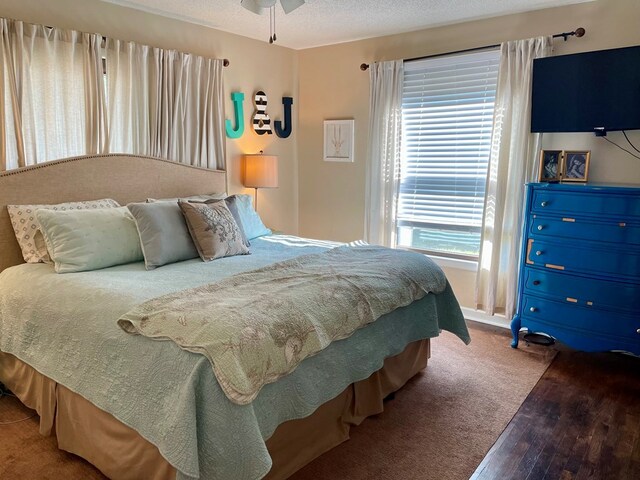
x=260, y=171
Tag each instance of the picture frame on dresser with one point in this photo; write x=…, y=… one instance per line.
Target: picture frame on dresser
x=575, y=166
x=550, y=166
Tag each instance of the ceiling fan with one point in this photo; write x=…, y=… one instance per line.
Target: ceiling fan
x=259, y=7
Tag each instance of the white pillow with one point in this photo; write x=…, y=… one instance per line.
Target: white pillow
x=80, y=240
x=25, y=225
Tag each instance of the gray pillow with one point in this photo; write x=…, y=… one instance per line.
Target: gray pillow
x=163, y=232
x=232, y=204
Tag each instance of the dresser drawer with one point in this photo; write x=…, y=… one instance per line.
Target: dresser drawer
x=581, y=229
x=573, y=203
x=580, y=277
x=580, y=318
x=576, y=257
x=583, y=339
x=581, y=290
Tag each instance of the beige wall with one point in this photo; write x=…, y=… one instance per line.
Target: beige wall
x=254, y=66
x=331, y=198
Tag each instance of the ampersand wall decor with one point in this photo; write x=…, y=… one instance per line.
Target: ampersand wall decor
x=261, y=120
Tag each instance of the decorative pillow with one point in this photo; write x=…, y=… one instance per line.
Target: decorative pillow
x=191, y=198
x=25, y=225
x=213, y=229
x=163, y=233
x=80, y=240
x=232, y=205
x=251, y=221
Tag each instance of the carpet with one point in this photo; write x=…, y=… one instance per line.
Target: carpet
x=27, y=455
x=445, y=420
x=439, y=426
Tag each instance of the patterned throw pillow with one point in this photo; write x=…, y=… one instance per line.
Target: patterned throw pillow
x=232, y=205
x=25, y=225
x=213, y=230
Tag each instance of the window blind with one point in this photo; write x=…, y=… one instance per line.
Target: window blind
x=447, y=119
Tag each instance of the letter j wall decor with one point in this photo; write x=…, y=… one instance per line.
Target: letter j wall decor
x=238, y=111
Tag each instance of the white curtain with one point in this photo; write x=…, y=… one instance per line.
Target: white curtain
x=512, y=163
x=165, y=104
x=52, y=99
x=133, y=89
x=53, y=103
x=383, y=159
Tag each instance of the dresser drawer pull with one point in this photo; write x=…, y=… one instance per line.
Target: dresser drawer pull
x=544, y=204
x=567, y=219
x=572, y=300
x=540, y=227
x=555, y=267
x=622, y=224
x=538, y=252
x=638, y=331
x=536, y=282
x=534, y=309
x=589, y=304
x=529, y=244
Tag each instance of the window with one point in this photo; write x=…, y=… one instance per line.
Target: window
x=447, y=120
x=45, y=93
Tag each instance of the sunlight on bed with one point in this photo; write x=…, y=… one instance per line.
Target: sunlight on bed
x=307, y=242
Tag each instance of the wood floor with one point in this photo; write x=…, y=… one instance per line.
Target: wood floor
x=581, y=421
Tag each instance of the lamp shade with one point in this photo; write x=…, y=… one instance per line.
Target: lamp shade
x=260, y=171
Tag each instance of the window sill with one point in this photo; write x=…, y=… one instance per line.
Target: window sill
x=448, y=262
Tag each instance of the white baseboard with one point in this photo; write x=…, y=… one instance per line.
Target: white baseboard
x=478, y=316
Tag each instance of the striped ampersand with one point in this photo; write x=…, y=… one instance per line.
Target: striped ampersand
x=261, y=120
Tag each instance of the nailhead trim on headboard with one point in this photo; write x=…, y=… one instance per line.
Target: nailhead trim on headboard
x=16, y=171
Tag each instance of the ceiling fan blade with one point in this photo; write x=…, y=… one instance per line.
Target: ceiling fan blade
x=252, y=6
x=257, y=6
x=290, y=5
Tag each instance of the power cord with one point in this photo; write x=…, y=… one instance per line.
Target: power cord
x=5, y=392
x=629, y=141
x=622, y=148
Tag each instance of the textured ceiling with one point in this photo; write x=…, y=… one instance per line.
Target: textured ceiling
x=323, y=22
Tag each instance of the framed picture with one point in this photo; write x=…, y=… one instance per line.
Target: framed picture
x=338, y=140
x=550, y=165
x=576, y=166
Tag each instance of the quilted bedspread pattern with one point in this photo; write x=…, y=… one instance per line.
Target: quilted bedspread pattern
x=65, y=326
x=257, y=326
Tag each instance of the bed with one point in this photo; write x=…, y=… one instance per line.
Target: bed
x=137, y=408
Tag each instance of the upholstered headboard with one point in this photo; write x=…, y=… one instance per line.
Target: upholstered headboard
x=125, y=178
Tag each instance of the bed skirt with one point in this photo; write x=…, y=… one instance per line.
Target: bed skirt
x=121, y=453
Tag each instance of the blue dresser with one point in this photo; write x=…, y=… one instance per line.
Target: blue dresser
x=580, y=274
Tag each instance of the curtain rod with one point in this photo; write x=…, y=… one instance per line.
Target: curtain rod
x=225, y=61
x=578, y=32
